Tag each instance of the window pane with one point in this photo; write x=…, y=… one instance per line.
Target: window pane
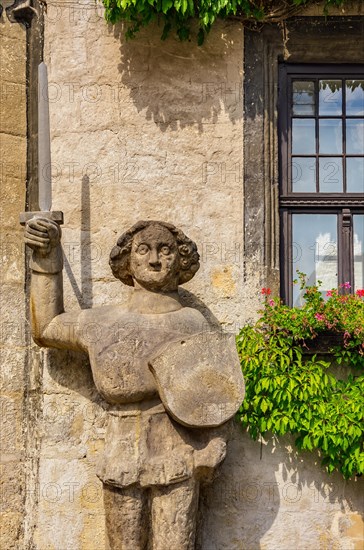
x=303, y=136
x=355, y=97
x=355, y=136
x=314, y=250
x=331, y=175
x=330, y=136
x=303, y=175
x=303, y=98
x=358, y=223
x=330, y=97
x=355, y=175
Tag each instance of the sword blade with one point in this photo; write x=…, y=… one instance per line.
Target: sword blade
x=44, y=141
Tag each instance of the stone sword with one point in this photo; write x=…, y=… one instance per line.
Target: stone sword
x=44, y=156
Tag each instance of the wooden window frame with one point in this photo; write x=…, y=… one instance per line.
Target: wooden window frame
x=344, y=204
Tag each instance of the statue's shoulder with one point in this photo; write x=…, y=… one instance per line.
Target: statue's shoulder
x=104, y=325
x=193, y=313
x=105, y=315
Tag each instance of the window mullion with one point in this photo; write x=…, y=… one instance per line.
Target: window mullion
x=345, y=253
x=344, y=134
x=286, y=256
x=317, y=133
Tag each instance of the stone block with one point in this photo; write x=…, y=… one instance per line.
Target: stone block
x=11, y=424
x=12, y=252
x=71, y=425
x=13, y=326
x=12, y=108
x=12, y=486
x=11, y=529
x=12, y=179
x=68, y=494
x=13, y=52
x=68, y=372
x=12, y=373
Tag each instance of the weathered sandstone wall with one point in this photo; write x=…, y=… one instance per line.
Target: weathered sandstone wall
x=13, y=343
x=151, y=130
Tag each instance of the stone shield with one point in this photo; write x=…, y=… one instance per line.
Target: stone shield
x=199, y=379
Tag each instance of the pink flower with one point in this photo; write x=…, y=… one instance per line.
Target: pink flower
x=319, y=316
x=360, y=292
x=329, y=293
x=346, y=285
x=271, y=303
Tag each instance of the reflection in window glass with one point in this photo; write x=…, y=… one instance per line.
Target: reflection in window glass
x=303, y=175
x=303, y=98
x=303, y=136
x=355, y=136
x=330, y=97
x=314, y=251
x=330, y=136
x=331, y=175
x=355, y=97
x=355, y=175
x=358, y=225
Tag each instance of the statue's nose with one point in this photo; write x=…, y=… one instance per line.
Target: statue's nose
x=154, y=259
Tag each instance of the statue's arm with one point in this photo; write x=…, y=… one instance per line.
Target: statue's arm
x=51, y=326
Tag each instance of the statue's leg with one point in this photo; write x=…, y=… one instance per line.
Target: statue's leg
x=126, y=518
x=174, y=513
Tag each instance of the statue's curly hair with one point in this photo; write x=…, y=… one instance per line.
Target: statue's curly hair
x=120, y=254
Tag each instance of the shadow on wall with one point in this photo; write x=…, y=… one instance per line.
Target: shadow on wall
x=180, y=84
x=83, y=293
x=240, y=507
x=261, y=486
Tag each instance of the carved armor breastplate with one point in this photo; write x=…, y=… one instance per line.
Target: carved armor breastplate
x=120, y=368
x=119, y=358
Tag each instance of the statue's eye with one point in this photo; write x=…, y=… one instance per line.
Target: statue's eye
x=142, y=249
x=165, y=250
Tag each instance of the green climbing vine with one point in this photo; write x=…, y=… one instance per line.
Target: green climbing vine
x=292, y=389
x=178, y=15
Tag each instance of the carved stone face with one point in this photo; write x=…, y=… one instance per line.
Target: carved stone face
x=154, y=259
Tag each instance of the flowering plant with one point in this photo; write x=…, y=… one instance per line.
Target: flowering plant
x=291, y=390
x=340, y=313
